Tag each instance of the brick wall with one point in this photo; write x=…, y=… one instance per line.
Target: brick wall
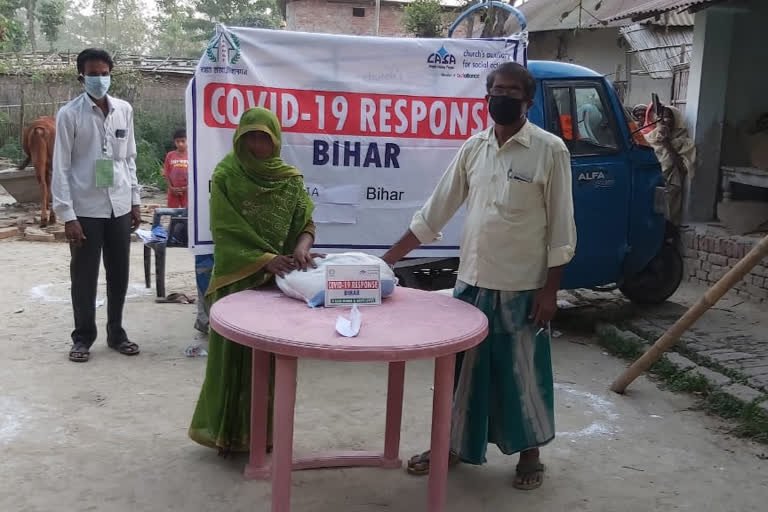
x=708, y=254
x=337, y=18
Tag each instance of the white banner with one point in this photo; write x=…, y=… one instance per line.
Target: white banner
x=371, y=122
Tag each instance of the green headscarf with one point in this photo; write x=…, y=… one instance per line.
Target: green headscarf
x=258, y=209
x=262, y=120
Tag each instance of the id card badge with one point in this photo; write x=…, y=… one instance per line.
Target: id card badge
x=105, y=173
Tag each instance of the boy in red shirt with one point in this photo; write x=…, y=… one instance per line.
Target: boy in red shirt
x=175, y=171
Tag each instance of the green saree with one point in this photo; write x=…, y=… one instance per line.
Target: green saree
x=258, y=210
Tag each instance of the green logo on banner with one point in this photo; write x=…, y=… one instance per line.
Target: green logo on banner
x=224, y=47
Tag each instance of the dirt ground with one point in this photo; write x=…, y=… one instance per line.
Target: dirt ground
x=110, y=435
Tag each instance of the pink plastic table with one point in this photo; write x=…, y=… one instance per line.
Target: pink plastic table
x=409, y=325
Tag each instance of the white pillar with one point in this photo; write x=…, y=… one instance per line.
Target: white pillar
x=705, y=106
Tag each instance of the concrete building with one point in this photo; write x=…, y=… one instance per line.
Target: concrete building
x=639, y=58
x=726, y=92
x=354, y=17
x=727, y=115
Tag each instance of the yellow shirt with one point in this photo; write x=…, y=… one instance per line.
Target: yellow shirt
x=519, y=203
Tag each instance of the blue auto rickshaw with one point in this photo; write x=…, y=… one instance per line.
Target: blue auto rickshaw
x=618, y=188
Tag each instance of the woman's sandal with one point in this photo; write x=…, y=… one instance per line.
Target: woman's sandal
x=419, y=464
x=529, y=476
x=80, y=353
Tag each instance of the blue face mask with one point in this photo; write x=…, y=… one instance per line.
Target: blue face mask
x=96, y=86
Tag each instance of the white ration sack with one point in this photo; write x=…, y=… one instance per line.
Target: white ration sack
x=309, y=286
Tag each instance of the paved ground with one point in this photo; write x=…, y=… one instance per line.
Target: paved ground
x=111, y=435
x=730, y=335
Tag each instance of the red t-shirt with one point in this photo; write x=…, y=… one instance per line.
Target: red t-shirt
x=175, y=169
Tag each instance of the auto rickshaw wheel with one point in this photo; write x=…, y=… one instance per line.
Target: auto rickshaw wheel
x=658, y=281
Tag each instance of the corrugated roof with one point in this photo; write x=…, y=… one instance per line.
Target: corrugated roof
x=566, y=15
x=659, y=49
x=674, y=19
x=655, y=7
x=544, y=15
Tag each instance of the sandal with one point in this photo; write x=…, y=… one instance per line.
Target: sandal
x=126, y=348
x=419, y=464
x=529, y=476
x=175, y=298
x=80, y=353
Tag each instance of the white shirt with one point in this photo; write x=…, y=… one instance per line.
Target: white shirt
x=519, y=209
x=84, y=135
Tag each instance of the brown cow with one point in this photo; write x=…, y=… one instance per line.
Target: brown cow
x=38, y=140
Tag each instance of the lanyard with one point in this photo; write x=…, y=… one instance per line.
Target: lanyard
x=105, y=132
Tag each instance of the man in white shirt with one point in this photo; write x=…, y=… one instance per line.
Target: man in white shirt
x=96, y=194
x=519, y=233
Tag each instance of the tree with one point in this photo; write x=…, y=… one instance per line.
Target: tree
x=471, y=20
x=246, y=13
x=31, y=19
x=116, y=25
x=102, y=7
x=51, y=15
x=13, y=37
x=424, y=18
x=173, y=38
x=495, y=21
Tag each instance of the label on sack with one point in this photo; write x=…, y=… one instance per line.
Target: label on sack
x=349, y=285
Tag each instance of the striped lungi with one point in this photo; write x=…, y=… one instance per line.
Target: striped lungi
x=504, y=386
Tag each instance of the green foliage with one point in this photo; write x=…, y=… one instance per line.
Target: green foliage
x=179, y=29
x=126, y=85
x=612, y=340
x=154, y=132
x=116, y=25
x=149, y=169
x=244, y=13
x=688, y=383
x=173, y=35
x=752, y=422
x=424, y=18
x=50, y=13
x=12, y=151
x=13, y=35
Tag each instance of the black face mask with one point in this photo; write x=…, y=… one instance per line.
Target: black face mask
x=505, y=110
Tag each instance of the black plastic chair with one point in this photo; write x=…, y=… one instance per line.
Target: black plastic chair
x=177, y=237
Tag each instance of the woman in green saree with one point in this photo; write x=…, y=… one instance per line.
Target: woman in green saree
x=261, y=221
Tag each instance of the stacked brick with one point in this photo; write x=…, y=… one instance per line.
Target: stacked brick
x=709, y=255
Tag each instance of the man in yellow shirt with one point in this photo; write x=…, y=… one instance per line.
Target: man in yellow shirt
x=519, y=233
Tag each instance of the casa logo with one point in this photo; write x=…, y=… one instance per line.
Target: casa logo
x=224, y=48
x=441, y=59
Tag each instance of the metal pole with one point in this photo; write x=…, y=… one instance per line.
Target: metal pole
x=378, y=9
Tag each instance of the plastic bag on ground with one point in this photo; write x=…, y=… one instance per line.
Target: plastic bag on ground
x=309, y=286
